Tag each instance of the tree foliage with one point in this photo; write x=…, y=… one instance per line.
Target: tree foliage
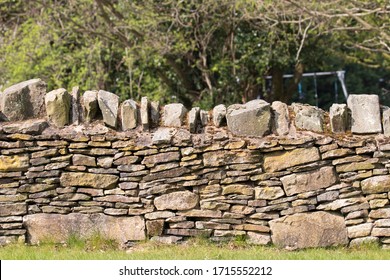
x=199, y=52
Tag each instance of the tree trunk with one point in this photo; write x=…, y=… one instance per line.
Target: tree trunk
x=293, y=84
x=277, y=85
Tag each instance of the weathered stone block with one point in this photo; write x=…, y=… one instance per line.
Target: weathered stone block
x=219, y=115
x=308, y=117
x=57, y=104
x=386, y=121
x=129, y=114
x=163, y=135
x=174, y=114
x=161, y=158
x=183, y=200
x=109, y=104
x=258, y=238
x=159, y=215
x=90, y=105
x=201, y=213
x=268, y=193
x=75, y=104
x=304, y=230
x=193, y=119
x=14, y=163
x=250, y=119
x=282, y=160
x=144, y=112
x=58, y=228
x=23, y=100
x=360, y=230
x=13, y=209
x=78, y=159
x=27, y=127
x=365, y=113
x=338, y=114
x=339, y=203
x=309, y=181
x=281, y=119
x=380, y=213
x=238, y=189
x=376, y=184
x=363, y=240
x=99, y=181
x=220, y=158
x=155, y=113
x=380, y=232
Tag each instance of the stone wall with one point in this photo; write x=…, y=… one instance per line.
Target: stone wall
x=294, y=176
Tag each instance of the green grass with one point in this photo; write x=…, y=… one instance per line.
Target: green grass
x=97, y=248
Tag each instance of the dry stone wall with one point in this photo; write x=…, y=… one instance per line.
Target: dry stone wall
x=293, y=175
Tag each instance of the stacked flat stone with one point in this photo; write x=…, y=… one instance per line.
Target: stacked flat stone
x=185, y=176
x=178, y=187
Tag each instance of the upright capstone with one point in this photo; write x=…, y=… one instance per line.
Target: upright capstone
x=109, y=103
x=365, y=113
x=219, y=115
x=90, y=106
x=58, y=106
x=174, y=114
x=129, y=113
x=24, y=100
x=250, y=119
x=338, y=114
x=386, y=121
x=281, y=119
x=308, y=117
x=144, y=111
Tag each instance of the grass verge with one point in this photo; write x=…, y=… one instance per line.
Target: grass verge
x=97, y=248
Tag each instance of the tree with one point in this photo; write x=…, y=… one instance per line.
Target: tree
x=199, y=52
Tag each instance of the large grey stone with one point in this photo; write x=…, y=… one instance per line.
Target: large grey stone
x=281, y=119
x=108, y=104
x=250, y=119
x=23, y=100
x=308, y=117
x=365, y=113
x=90, y=105
x=183, y=200
x=58, y=228
x=304, y=230
x=338, y=114
x=129, y=113
x=309, y=181
x=219, y=115
x=174, y=114
x=376, y=184
x=58, y=107
x=281, y=160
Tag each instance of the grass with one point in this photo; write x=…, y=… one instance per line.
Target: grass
x=96, y=248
